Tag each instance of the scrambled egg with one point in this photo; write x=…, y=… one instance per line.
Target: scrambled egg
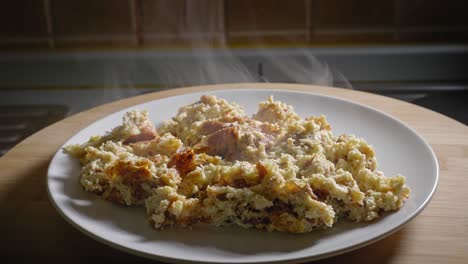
x=212, y=163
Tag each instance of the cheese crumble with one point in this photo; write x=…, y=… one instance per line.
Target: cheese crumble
x=211, y=163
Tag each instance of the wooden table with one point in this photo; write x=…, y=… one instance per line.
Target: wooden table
x=31, y=228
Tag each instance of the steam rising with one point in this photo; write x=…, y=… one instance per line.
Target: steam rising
x=203, y=63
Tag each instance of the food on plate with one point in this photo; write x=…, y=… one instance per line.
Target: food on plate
x=212, y=163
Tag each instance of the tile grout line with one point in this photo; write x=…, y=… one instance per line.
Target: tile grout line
x=227, y=31
x=308, y=21
x=396, y=20
x=222, y=21
x=49, y=24
x=96, y=37
x=135, y=10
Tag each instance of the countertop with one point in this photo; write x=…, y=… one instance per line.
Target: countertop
x=31, y=228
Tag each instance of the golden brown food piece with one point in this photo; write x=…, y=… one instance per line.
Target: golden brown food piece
x=187, y=124
x=166, y=145
x=183, y=161
x=130, y=182
x=273, y=112
x=135, y=127
x=237, y=142
x=144, y=135
x=167, y=208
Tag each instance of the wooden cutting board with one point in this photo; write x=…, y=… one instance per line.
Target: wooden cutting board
x=31, y=228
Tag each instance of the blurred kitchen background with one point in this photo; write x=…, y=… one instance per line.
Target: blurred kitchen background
x=60, y=57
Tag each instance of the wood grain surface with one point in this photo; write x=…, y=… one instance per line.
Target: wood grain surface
x=30, y=227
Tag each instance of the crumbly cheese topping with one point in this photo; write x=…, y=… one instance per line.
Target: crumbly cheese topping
x=211, y=163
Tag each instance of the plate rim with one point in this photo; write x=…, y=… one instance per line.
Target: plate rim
x=324, y=255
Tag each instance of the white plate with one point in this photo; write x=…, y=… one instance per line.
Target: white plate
x=399, y=149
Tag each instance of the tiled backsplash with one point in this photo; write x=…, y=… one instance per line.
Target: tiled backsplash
x=24, y=23
x=107, y=22
x=180, y=21
x=150, y=23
